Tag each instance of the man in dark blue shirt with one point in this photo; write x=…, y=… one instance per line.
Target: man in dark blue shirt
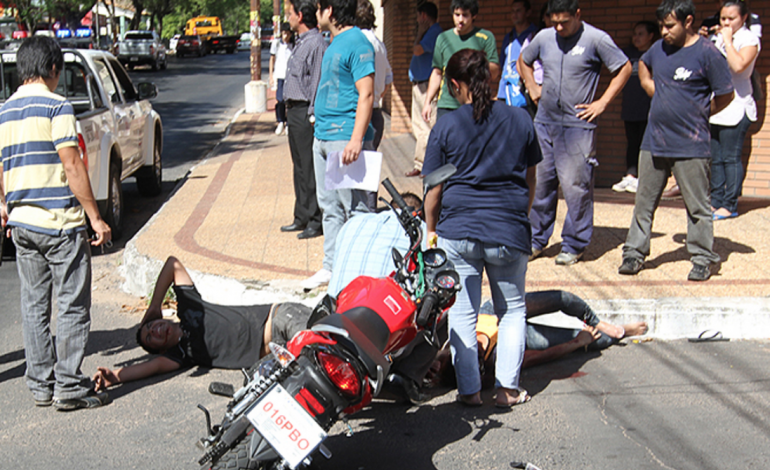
x=681, y=72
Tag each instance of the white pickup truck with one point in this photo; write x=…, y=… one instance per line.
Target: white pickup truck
x=119, y=134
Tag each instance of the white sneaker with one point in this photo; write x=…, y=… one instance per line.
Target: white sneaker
x=622, y=186
x=279, y=129
x=633, y=183
x=321, y=278
x=286, y=131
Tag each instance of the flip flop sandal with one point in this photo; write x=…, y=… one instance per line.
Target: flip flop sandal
x=522, y=398
x=708, y=336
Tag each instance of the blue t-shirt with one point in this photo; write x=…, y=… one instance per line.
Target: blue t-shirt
x=422, y=65
x=348, y=59
x=487, y=198
x=509, y=37
x=685, y=78
x=571, y=70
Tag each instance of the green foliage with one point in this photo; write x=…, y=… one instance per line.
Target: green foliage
x=233, y=13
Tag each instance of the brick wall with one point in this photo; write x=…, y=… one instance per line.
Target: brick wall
x=617, y=17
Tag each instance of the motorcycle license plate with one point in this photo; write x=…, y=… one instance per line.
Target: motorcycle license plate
x=291, y=431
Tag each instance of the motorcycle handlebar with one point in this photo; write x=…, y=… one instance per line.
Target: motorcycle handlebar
x=428, y=302
x=394, y=194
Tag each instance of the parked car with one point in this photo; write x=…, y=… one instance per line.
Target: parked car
x=119, y=134
x=142, y=47
x=190, y=45
x=172, y=43
x=266, y=36
x=244, y=43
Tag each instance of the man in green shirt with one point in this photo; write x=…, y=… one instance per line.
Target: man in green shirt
x=463, y=36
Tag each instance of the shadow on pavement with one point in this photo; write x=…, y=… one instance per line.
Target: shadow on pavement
x=388, y=437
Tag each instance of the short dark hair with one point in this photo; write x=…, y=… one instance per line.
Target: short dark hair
x=343, y=11
x=470, y=5
x=527, y=5
x=563, y=6
x=651, y=27
x=308, y=9
x=429, y=9
x=285, y=26
x=365, y=15
x=412, y=200
x=39, y=57
x=141, y=343
x=681, y=9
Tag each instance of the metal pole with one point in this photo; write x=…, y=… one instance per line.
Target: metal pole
x=256, y=47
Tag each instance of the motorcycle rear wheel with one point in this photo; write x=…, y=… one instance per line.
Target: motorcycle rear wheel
x=237, y=458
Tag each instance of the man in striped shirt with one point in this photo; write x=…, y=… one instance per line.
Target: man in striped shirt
x=44, y=198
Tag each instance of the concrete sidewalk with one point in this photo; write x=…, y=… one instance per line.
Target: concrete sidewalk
x=223, y=222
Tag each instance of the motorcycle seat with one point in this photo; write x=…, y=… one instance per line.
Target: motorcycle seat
x=347, y=331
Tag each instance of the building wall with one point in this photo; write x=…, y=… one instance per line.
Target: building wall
x=617, y=17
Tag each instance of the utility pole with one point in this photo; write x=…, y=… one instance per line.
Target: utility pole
x=256, y=89
x=277, y=19
x=256, y=42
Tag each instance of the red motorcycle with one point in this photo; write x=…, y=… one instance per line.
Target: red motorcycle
x=293, y=396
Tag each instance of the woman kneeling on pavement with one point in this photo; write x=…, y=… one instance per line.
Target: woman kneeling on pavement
x=481, y=217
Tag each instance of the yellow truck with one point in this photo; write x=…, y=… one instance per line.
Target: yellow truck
x=209, y=28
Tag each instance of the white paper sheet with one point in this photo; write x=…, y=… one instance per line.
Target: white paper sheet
x=363, y=173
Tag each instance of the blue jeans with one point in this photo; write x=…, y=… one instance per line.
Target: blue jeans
x=61, y=263
x=506, y=269
x=337, y=205
x=726, y=165
x=568, y=161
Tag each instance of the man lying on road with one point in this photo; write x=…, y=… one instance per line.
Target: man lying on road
x=208, y=335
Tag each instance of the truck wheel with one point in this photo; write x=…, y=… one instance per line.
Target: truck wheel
x=149, y=179
x=114, y=209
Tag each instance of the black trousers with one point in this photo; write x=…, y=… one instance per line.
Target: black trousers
x=306, y=210
x=634, y=135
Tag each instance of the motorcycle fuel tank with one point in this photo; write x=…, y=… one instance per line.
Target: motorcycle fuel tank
x=385, y=297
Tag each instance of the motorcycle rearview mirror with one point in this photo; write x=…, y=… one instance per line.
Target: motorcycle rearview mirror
x=438, y=176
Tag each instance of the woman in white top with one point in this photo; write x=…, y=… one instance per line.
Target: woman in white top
x=728, y=127
x=280, y=51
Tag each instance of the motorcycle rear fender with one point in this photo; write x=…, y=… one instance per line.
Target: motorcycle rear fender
x=349, y=335
x=305, y=338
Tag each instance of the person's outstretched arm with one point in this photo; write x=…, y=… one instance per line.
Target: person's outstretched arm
x=105, y=377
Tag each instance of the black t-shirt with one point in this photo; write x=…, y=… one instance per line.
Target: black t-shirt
x=636, y=103
x=228, y=337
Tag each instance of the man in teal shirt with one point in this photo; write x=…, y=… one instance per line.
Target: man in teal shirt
x=343, y=111
x=463, y=36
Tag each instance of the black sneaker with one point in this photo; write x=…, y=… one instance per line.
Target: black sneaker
x=630, y=266
x=699, y=272
x=409, y=388
x=92, y=400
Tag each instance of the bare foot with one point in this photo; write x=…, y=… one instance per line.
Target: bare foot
x=613, y=331
x=635, y=329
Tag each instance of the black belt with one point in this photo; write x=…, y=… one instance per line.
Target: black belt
x=293, y=103
x=419, y=82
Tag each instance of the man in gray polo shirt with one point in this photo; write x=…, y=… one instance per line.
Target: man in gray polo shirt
x=572, y=53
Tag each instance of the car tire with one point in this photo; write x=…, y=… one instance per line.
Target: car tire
x=231, y=50
x=149, y=179
x=154, y=65
x=164, y=65
x=114, y=210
